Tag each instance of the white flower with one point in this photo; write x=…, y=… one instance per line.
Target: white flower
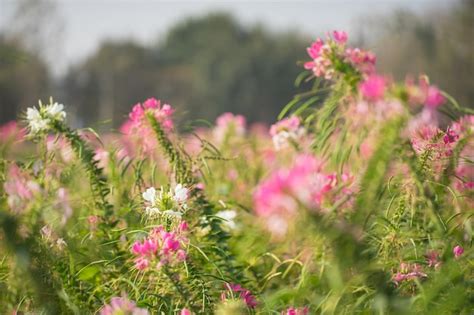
x=55, y=111
x=180, y=193
x=228, y=216
x=152, y=211
x=35, y=121
x=40, y=120
x=150, y=195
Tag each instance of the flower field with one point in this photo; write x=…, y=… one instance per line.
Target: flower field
x=358, y=200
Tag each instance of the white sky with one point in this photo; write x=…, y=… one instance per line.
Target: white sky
x=87, y=22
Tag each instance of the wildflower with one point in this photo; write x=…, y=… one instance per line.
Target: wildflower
x=185, y=311
x=432, y=258
x=285, y=131
x=228, y=216
x=102, y=157
x=340, y=37
x=229, y=124
x=19, y=188
x=42, y=119
x=122, y=306
x=235, y=290
x=160, y=248
x=137, y=128
x=408, y=272
x=373, y=88
x=304, y=184
x=434, y=98
x=171, y=203
x=458, y=251
x=296, y=311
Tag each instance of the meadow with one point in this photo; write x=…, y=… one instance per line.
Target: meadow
x=357, y=200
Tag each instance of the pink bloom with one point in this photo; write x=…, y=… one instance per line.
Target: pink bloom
x=122, y=305
x=244, y=294
x=229, y=124
x=160, y=247
x=315, y=49
x=408, y=272
x=185, y=311
x=458, y=251
x=102, y=157
x=373, y=88
x=137, y=128
x=279, y=197
x=432, y=259
x=296, y=311
x=434, y=98
x=285, y=131
x=340, y=37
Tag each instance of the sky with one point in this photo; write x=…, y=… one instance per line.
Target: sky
x=85, y=23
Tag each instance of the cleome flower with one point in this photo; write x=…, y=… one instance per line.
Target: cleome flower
x=161, y=248
x=137, y=129
x=122, y=306
x=41, y=119
x=236, y=291
x=286, y=131
x=331, y=57
x=170, y=202
x=408, y=272
x=278, y=198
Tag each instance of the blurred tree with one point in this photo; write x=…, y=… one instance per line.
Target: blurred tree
x=204, y=67
x=24, y=78
x=25, y=44
x=440, y=44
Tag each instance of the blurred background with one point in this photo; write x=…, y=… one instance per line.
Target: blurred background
x=99, y=57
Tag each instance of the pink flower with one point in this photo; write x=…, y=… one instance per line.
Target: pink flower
x=285, y=131
x=296, y=311
x=458, y=251
x=373, y=88
x=185, y=311
x=279, y=197
x=408, y=272
x=244, y=294
x=137, y=128
x=434, y=98
x=160, y=247
x=229, y=124
x=122, y=305
x=432, y=259
x=340, y=37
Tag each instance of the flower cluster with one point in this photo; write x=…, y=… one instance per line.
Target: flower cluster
x=137, y=126
x=161, y=248
x=41, y=119
x=19, y=188
x=286, y=131
x=229, y=124
x=305, y=183
x=236, y=291
x=122, y=306
x=170, y=202
x=408, y=272
x=332, y=57
x=424, y=93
